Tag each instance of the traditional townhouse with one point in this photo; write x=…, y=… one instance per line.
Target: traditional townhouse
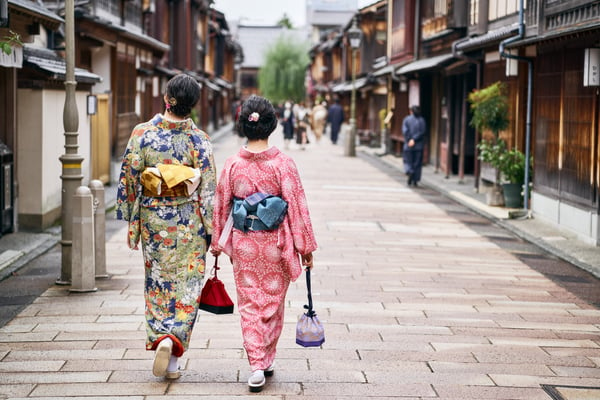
x=546, y=53
x=111, y=40
x=479, y=64
x=558, y=44
x=222, y=55
x=435, y=26
x=31, y=107
x=325, y=68
x=331, y=70
x=371, y=90
x=125, y=53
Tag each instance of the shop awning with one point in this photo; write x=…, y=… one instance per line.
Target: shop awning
x=388, y=69
x=424, y=64
x=487, y=39
x=55, y=67
x=223, y=83
x=211, y=85
x=347, y=86
x=38, y=12
x=167, y=71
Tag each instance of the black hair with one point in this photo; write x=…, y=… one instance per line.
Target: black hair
x=257, y=119
x=183, y=93
x=416, y=111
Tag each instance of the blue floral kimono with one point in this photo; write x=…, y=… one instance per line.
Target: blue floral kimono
x=172, y=229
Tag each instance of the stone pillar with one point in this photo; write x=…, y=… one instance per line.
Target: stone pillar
x=97, y=188
x=83, y=277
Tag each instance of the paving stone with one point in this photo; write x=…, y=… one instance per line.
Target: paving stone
x=543, y=342
x=240, y=389
x=363, y=391
x=465, y=392
x=15, y=391
x=84, y=398
x=39, y=377
x=106, y=389
x=29, y=355
x=531, y=381
x=489, y=368
x=30, y=366
x=579, y=393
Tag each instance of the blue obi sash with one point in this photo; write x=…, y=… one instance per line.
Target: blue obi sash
x=258, y=212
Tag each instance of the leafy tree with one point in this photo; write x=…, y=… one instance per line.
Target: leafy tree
x=7, y=41
x=282, y=76
x=285, y=21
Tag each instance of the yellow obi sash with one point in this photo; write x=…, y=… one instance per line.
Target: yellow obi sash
x=170, y=180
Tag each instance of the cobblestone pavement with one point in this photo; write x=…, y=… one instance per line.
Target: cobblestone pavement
x=421, y=299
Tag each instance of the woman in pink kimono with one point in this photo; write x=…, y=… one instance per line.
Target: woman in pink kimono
x=261, y=221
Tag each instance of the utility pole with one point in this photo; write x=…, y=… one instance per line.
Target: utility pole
x=71, y=161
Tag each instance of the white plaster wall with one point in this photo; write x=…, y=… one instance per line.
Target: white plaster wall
x=101, y=66
x=29, y=151
x=41, y=143
x=583, y=223
x=545, y=207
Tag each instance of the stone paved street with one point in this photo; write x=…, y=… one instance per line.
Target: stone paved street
x=420, y=297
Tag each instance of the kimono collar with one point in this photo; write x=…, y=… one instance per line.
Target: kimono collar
x=160, y=121
x=270, y=153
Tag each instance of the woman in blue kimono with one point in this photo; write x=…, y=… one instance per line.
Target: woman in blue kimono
x=165, y=192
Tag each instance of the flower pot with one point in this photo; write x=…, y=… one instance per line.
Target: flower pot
x=512, y=195
x=493, y=197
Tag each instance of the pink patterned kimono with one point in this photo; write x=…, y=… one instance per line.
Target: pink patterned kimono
x=264, y=262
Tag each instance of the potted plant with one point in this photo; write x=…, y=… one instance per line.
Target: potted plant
x=489, y=109
x=511, y=165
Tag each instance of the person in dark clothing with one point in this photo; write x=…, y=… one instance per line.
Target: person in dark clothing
x=335, y=117
x=288, y=122
x=413, y=128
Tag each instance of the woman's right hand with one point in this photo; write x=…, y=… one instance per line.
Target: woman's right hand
x=307, y=260
x=215, y=252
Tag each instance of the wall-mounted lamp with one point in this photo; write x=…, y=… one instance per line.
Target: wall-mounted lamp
x=92, y=104
x=403, y=84
x=591, y=67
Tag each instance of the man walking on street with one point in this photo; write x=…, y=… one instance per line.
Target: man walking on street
x=413, y=128
x=335, y=117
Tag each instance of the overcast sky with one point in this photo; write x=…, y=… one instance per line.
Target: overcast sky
x=268, y=12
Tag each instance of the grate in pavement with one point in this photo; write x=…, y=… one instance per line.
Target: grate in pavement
x=533, y=256
x=564, y=392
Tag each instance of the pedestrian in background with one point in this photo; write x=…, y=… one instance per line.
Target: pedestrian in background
x=264, y=251
x=319, y=119
x=165, y=192
x=302, y=115
x=288, y=122
x=413, y=128
x=335, y=116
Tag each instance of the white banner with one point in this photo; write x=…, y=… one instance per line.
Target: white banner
x=14, y=59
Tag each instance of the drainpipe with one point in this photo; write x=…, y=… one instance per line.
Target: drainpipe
x=417, y=29
x=171, y=32
x=529, y=62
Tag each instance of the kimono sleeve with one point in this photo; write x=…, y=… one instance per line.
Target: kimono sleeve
x=298, y=215
x=222, y=208
x=129, y=189
x=207, y=186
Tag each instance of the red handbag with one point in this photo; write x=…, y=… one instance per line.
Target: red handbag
x=214, y=297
